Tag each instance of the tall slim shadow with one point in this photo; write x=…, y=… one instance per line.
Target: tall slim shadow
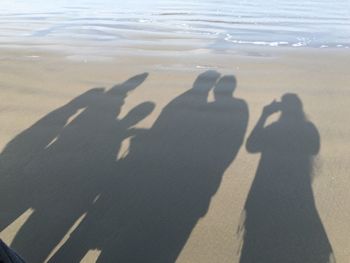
x=58, y=167
x=281, y=220
x=169, y=176
x=24, y=148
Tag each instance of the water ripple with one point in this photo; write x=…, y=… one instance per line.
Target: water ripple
x=224, y=23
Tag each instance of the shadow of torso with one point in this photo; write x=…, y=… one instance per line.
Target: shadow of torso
x=281, y=220
x=60, y=164
x=166, y=181
x=171, y=173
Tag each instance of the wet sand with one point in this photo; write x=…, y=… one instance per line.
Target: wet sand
x=36, y=83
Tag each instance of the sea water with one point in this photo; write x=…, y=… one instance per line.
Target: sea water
x=157, y=24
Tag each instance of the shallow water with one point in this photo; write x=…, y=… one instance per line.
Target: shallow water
x=92, y=25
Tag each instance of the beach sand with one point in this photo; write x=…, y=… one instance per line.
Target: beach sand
x=36, y=83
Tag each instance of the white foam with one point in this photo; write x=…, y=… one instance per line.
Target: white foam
x=260, y=43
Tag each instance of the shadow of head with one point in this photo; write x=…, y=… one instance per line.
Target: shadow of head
x=129, y=85
x=87, y=98
x=225, y=87
x=138, y=113
x=206, y=80
x=292, y=106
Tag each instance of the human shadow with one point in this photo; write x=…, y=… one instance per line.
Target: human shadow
x=281, y=219
x=169, y=176
x=59, y=165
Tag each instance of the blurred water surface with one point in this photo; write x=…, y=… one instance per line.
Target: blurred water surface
x=155, y=24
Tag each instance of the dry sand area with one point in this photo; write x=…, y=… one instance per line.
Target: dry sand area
x=144, y=158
